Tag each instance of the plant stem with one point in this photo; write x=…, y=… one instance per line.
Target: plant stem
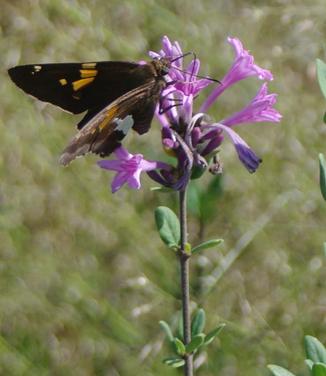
x=184, y=270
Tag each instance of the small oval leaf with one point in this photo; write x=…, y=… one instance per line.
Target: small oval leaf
x=309, y=363
x=279, y=371
x=209, y=244
x=167, y=330
x=195, y=343
x=198, y=322
x=319, y=369
x=168, y=226
x=315, y=350
x=322, y=175
x=321, y=75
x=174, y=362
x=180, y=348
x=214, y=333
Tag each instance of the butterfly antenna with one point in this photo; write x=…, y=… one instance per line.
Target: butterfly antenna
x=181, y=56
x=197, y=75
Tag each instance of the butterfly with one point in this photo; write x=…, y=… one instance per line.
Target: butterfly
x=115, y=95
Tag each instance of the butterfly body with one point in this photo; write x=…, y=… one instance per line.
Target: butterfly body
x=116, y=95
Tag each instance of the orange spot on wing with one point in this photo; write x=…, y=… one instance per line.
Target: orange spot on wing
x=63, y=81
x=108, y=117
x=76, y=85
x=88, y=65
x=86, y=73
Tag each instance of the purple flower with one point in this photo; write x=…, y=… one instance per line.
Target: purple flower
x=178, y=98
x=243, y=66
x=246, y=155
x=259, y=109
x=128, y=168
x=193, y=138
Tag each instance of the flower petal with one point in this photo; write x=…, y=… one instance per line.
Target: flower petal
x=118, y=181
x=260, y=109
x=246, y=155
x=134, y=180
x=122, y=153
x=243, y=66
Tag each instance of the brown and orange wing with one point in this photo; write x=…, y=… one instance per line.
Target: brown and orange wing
x=103, y=133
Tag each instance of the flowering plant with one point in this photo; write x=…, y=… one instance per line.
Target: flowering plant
x=193, y=138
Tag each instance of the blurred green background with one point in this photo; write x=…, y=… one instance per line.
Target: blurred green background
x=84, y=277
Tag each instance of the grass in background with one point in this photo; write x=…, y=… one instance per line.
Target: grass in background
x=84, y=278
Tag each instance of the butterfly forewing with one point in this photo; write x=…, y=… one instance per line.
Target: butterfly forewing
x=116, y=95
x=77, y=87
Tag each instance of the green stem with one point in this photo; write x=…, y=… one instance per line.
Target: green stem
x=184, y=270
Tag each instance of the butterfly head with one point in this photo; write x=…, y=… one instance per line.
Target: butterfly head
x=162, y=66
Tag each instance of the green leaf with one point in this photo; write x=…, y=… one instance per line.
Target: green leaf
x=319, y=369
x=168, y=332
x=198, y=322
x=188, y=248
x=180, y=325
x=208, y=244
x=279, y=371
x=315, y=350
x=212, y=334
x=162, y=189
x=174, y=362
x=168, y=226
x=322, y=175
x=309, y=363
x=195, y=343
x=202, y=201
x=321, y=75
x=179, y=346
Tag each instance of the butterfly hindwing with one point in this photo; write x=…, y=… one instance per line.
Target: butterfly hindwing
x=104, y=132
x=77, y=87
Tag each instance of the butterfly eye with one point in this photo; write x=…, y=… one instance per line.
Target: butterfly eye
x=165, y=70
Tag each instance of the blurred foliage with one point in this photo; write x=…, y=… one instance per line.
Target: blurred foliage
x=85, y=278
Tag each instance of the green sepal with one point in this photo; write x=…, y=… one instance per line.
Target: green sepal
x=195, y=343
x=197, y=172
x=208, y=244
x=279, y=371
x=180, y=348
x=322, y=175
x=213, y=333
x=315, y=350
x=319, y=369
x=198, y=322
x=168, y=226
x=321, y=75
x=167, y=330
x=174, y=362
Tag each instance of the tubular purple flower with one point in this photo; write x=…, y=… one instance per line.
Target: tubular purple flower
x=243, y=66
x=128, y=168
x=258, y=110
x=246, y=155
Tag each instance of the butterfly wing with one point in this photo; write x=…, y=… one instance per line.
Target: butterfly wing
x=77, y=87
x=104, y=132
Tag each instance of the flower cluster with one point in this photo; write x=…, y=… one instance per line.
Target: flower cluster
x=192, y=138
